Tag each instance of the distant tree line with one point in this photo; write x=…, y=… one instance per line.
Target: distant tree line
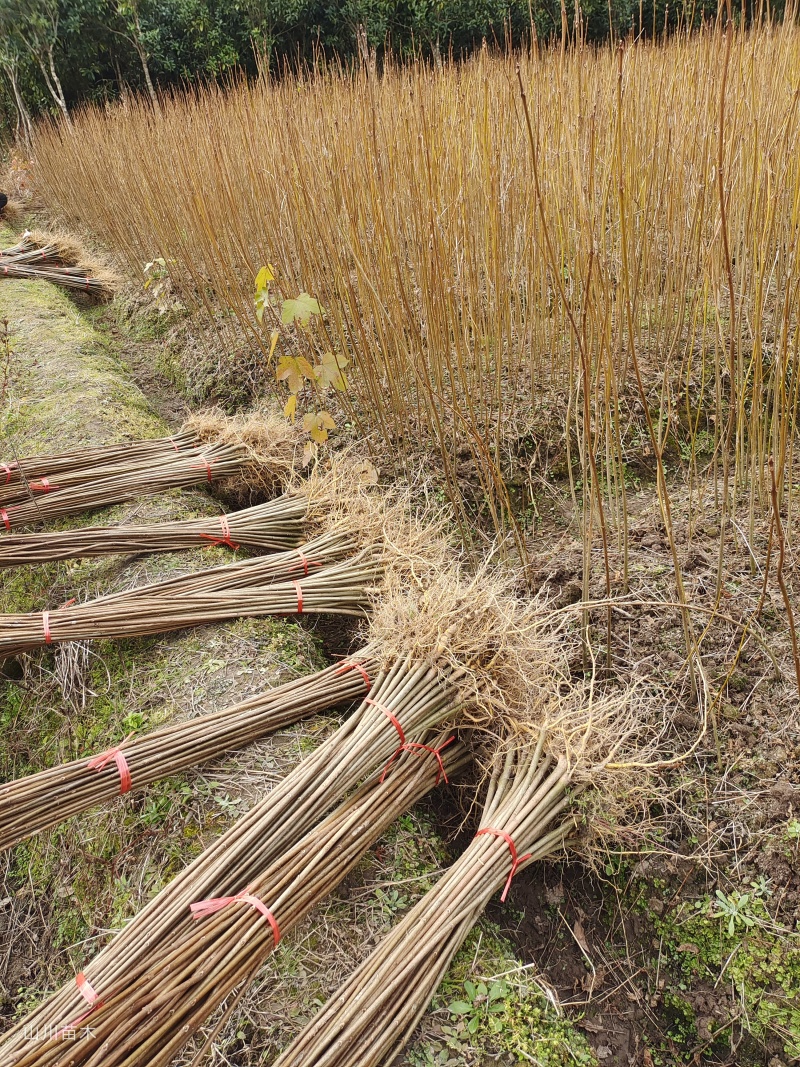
x=55, y=54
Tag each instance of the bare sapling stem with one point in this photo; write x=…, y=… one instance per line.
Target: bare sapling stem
x=779, y=570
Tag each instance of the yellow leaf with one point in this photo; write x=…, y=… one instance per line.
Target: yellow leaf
x=309, y=452
x=264, y=277
x=293, y=370
x=262, y=303
x=272, y=342
x=331, y=371
x=291, y=407
x=317, y=425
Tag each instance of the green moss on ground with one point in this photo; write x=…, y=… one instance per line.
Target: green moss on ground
x=731, y=939
x=721, y=966
x=67, y=390
x=491, y=1009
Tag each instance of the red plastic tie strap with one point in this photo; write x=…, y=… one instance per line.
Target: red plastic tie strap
x=226, y=535
x=305, y=562
x=87, y=285
x=299, y=589
x=9, y=469
x=391, y=717
x=174, y=444
x=5, y=518
x=409, y=745
x=205, y=464
x=352, y=665
x=215, y=904
x=42, y=486
x=512, y=848
x=101, y=761
x=86, y=990
x=89, y=995
x=48, y=637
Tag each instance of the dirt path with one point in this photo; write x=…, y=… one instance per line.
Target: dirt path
x=66, y=388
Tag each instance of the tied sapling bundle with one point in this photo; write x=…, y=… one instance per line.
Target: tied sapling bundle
x=47, y=498
x=53, y=249
x=56, y=259
x=275, y=525
x=16, y=474
x=39, y=801
x=355, y=525
x=406, y=704
x=42, y=248
x=528, y=814
x=70, y=277
x=374, y=1012
x=24, y=247
x=313, y=581
x=158, y=1005
x=273, y=445
x=257, y=452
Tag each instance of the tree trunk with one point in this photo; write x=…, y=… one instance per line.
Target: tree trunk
x=62, y=100
x=145, y=67
x=53, y=82
x=121, y=86
x=143, y=59
x=23, y=115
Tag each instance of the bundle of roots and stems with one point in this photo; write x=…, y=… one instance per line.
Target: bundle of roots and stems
x=15, y=475
x=372, y=1015
x=74, y=491
x=273, y=447
x=55, y=259
x=275, y=525
x=160, y=1004
x=69, y=277
x=35, y=246
x=25, y=248
x=407, y=702
x=313, y=581
x=39, y=801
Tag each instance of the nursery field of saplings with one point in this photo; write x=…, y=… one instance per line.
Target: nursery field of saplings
x=424, y=565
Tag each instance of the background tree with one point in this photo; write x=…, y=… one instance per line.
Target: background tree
x=32, y=25
x=58, y=53
x=11, y=61
x=129, y=13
